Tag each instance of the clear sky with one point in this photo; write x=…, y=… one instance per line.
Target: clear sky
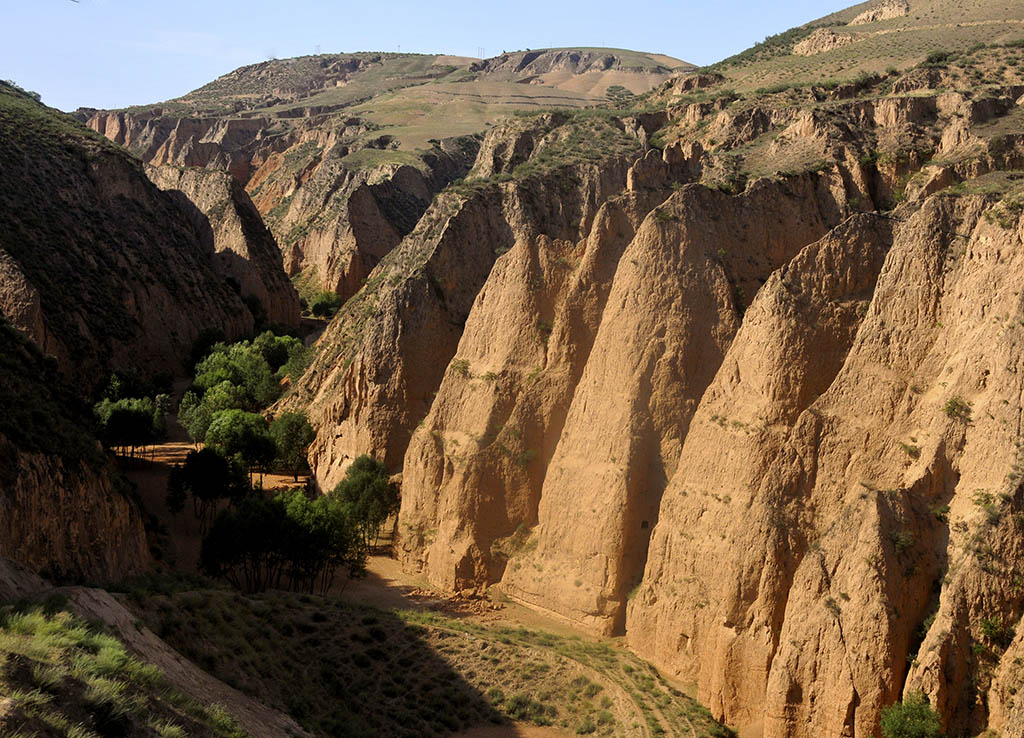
x=115, y=53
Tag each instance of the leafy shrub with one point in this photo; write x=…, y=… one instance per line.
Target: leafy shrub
x=912, y=718
x=325, y=304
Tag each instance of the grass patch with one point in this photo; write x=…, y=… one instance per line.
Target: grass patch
x=69, y=679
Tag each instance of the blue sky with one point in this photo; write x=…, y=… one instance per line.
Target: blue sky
x=114, y=53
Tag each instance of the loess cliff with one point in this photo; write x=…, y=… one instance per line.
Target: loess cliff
x=736, y=377
x=343, y=153
x=63, y=514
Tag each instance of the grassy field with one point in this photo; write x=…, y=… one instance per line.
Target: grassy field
x=366, y=671
x=63, y=678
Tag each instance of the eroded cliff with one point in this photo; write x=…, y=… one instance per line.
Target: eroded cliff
x=763, y=422
x=100, y=268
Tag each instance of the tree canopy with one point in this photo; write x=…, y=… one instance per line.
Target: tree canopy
x=912, y=718
x=285, y=540
x=292, y=435
x=368, y=495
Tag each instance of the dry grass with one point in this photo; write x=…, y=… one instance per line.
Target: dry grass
x=414, y=673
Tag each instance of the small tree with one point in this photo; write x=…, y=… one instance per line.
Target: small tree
x=129, y=422
x=325, y=304
x=369, y=495
x=242, y=434
x=912, y=718
x=194, y=416
x=208, y=478
x=292, y=435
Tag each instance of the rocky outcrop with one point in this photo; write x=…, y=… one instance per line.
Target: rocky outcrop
x=245, y=252
x=342, y=221
x=545, y=61
x=102, y=270
x=841, y=479
x=63, y=515
x=382, y=360
x=882, y=11
x=820, y=41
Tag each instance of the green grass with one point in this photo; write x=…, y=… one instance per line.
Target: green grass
x=411, y=673
x=68, y=679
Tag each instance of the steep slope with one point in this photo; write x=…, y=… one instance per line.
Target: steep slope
x=343, y=153
x=734, y=409
x=63, y=515
x=245, y=252
x=383, y=358
x=98, y=266
x=872, y=37
x=872, y=484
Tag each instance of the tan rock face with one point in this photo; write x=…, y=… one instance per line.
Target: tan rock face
x=340, y=222
x=820, y=41
x=333, y=221
x=883, y=11
x=66, y=521
x=727, y=425
x=244, y=250
x=802, y=609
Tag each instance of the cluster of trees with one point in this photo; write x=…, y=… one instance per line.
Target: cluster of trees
x=232, y=383
x=299, y=541
x=132, y=412
x=240, y=376
x=325, y=304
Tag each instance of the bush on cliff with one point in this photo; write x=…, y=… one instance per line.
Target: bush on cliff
x=912, y=718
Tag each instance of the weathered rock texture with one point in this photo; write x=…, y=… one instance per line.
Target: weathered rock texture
x=341, y=222
x=882, y=11
x=60, y=512
x=384, y=357
x=764, y=426
x=820, y=41
x=245, y=252
x=100, y=268
x=65, y=520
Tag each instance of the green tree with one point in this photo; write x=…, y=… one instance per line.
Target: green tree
x=129, y=423
x=292, y=435
x=325, y=304
x=194, y=416
x=285, y=540
x=245, y=435
x=208, y=478
x=368, y=495
x=912, y=718
x=276, y=350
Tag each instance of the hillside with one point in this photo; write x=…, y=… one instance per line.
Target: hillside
x=733, y=375
x=873, y=37
x=64, y=513
x=343, y=153
x=61, y=676
x=99, y=268
x=722, y=366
